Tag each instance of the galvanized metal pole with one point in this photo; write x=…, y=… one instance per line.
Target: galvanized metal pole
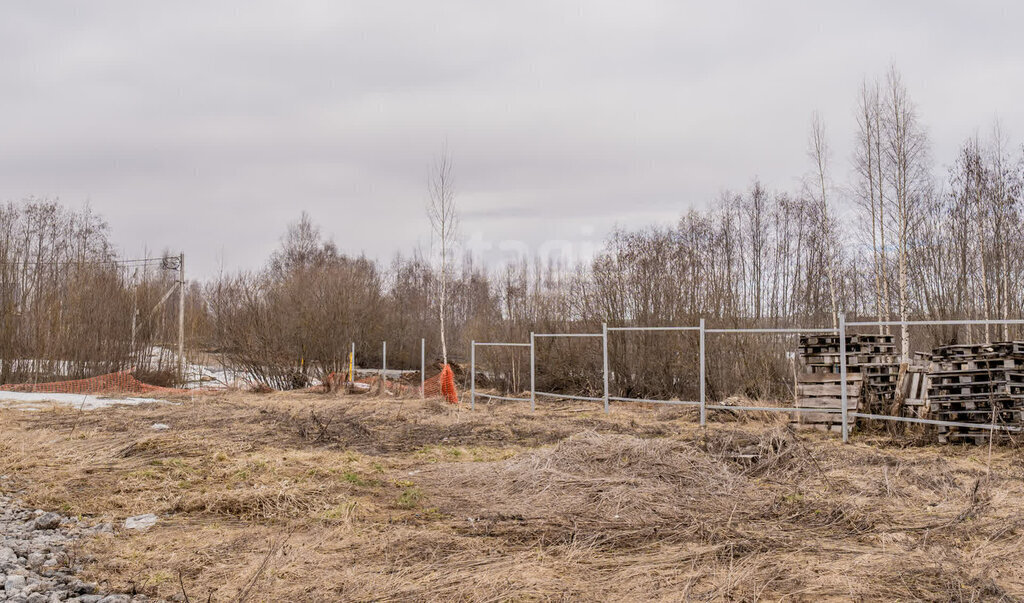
x=423, y=368
x=181, y=318
x=703, y=380
x=352, y=364
x=533, y=372
x=604, y=340
x=842, y=376
x=384, y=363
x=472, y=375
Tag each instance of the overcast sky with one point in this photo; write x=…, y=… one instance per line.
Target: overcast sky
x=208, y=126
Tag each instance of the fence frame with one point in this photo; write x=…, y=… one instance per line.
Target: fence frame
x=770, y=331
x=384, y=364
x=533, y=368
x=701, y=403
x=841, y=330
x=472, y=369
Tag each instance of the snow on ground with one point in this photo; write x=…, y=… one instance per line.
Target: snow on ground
x=40, y=401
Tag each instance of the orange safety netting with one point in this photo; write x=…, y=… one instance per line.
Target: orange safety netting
x=443, y=384
x=440, y=385
x=121, y=383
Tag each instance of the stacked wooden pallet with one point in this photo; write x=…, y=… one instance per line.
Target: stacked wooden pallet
x=871, y=374
x=876, y=360
x=913, y=386
x=977, y=383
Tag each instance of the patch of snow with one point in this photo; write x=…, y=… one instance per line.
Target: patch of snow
x=31, y=400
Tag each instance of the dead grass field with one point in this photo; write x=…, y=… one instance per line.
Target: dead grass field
x=310, y=497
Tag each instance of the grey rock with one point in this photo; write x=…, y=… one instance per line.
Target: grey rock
x=34, y=562
x=82, y=588
x=140, y=522
x=13, y=585
x=47, y=521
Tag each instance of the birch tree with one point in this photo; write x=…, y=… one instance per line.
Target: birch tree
x=444, y=223
x=906, y=152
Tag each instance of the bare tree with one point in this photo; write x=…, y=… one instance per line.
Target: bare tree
x=1004, y=192
x=818, y=150
x=444, y=222
x=868, y=166
x=980, y=195
x=906, y=151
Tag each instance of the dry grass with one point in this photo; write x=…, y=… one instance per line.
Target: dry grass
x=311, y=497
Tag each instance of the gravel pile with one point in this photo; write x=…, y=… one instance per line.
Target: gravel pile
x=34, y=565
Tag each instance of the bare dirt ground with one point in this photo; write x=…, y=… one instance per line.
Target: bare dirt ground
x=312, y=497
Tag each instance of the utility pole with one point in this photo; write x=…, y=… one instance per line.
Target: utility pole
x=135, y=308
x=181, y=318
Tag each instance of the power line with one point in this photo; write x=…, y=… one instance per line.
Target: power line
x=170, y=261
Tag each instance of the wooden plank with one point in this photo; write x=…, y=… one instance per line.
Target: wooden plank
x=827, y=403
x=819, y=417
x=829, y=378
x=807, y=390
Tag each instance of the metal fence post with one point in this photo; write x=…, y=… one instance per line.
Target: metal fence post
x=703, y=380
x=533, y=372
x=842, y=376
x=423, y=368
x=604, y=339
x=472, y=375
x=384, y=361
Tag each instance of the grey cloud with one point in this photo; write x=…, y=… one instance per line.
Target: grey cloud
x=208, y=126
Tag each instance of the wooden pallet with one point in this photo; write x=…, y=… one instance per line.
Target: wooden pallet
x=871, y=368
x=976, y=383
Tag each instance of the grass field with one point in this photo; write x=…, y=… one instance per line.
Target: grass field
x=311, y=497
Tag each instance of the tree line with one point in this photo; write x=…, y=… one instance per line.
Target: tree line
x=67, y=302
x=896, y=239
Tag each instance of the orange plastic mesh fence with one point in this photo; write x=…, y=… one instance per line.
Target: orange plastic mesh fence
x=121, y=383
x=440, y=385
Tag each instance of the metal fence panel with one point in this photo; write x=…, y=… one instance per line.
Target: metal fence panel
x=841, y=330
x=472, y=368
x=568, y=397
